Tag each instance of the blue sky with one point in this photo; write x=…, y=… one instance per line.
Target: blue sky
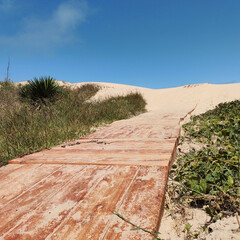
x=148, y=43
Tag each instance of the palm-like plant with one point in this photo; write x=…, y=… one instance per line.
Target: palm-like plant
x=40, y=89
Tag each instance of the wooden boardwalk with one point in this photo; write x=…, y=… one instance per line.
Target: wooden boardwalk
x=71, y=190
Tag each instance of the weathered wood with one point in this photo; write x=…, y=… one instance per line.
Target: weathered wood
x=143, y=143
x=21, y=179
x=137, y=131
x=71, y=190
x=105, y=158
x=40, y=210
x=90, y=217
x=142, y=205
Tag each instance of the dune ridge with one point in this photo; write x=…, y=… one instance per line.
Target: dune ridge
x=196, y=98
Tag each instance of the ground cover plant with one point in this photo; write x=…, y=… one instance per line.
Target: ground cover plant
x=29, y=124
x=209, y=177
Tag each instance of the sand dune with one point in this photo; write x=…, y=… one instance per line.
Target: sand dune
x=196, y=98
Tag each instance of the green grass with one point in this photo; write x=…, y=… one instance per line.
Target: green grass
x=26, y=128
x=210, y=176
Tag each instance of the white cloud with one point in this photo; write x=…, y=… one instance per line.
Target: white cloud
x=57, y=30
x=6, y=5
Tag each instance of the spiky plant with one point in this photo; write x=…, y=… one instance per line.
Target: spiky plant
x=40, y=89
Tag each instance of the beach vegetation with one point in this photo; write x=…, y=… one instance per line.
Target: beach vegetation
x=40, y=90
x=209, y=177
x=26, y=128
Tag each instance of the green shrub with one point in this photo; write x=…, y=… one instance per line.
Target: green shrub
x=40, y=90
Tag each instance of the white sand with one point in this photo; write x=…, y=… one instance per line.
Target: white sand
x=178, y=101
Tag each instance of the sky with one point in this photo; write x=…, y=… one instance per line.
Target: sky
x=147, y=43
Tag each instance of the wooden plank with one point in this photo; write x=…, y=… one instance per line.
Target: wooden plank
x=114, y=152
x=97, y=163
x=6, y=170
x=40, y=210
x=92, y=214
x=137, y=131
x=13, y=213
x=118, y=144
x=22, y=179
x=142, y=205
x=110, y=159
